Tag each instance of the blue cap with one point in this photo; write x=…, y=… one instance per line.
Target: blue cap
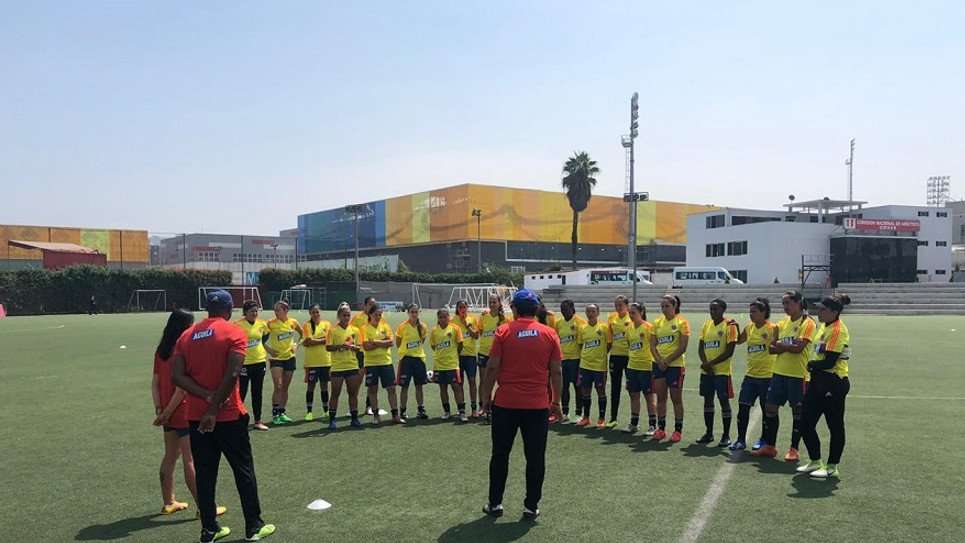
x=220, y=299
x=525, y=296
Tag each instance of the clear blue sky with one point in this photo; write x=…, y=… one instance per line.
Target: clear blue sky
x=237, y=116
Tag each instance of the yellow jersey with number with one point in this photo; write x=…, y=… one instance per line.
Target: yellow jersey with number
x=445, y=347
x=760, y=361
x=255, y=331
x=281, y=338
x=470, y=345
x=344, y=360
x=381, y=356
x=594, y=346
x=834, y=338
x=618, y=331
x=716, y=337
x=669, y=334
x=569, y=332
x=638, y=339
x=316, y=356
x=794, y=364
x=488, y=323
x=413, y=339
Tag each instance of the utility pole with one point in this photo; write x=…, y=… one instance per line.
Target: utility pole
x=631, y=196
x=850, y=163
x=478, y=214
x=357, y=210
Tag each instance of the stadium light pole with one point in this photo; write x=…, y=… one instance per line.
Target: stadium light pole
x=631, y=197
x=476, y=212
x=357, y=210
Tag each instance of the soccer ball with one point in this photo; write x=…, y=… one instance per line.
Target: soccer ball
x=429, y=374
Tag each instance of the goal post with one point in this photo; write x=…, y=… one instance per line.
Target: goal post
x=439, y=295
x=239, y=295
x=297, y=298
x=148, y=300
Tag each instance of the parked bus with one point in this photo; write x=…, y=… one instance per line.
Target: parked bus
x=691, y=276
x=589, y=276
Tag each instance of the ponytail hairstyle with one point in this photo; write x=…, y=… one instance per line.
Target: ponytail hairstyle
x=763, y=306
x=500, y=313
x=311, y=320
x=178, y=321
x=675, y=301
x=641, y=308
x=418, y=321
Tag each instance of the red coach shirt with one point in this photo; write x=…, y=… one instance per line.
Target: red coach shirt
x=525, y=349
x=162, y=368
x=205, y=348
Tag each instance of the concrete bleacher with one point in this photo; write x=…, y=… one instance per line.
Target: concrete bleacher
x=870, y=298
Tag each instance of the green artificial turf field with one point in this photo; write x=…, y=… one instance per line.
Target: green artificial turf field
x=81, y=456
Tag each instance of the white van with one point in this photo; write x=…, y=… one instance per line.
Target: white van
x=690, y=276
x=589, y=276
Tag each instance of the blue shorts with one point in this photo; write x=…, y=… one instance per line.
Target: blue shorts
x=618, y=362
x=754, y=389
x=571, y=371
x=412, y=369
x=588, y=378
x=376, y=374
x=469, y=366
x=482, y=360
x=344, y=374
x=639, y=381
x=287, y=365
x=786, y=389
x=447, y=377
x=673, y=374
x=317, y=375
x=716, y=385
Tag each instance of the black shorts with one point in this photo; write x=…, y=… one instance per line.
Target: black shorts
x=469, y=366
x=447, y=377
x=589, y=378
x=287, y=365
x=181, y=432
x=639, y=381
x=379, y=374
x=412, y=369
x=716, y=385
x=318, y=375
x=618, y=362
x=571, y=371
x=258, y=368
x=482, y=360
x=344, y=374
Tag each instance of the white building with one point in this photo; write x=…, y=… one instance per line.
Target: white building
x=817, y=239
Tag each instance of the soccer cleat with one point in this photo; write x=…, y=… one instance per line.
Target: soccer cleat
x=260, y=426
x=285, y=418
x=724, y=442
x=276, y=421
x=446, y=416
x=332, y=425
x=218, y=511
x=585, y=421
x=758, y=444
x=812, y=466
x=262, y=533
x=530, y=514
x=173, y=507
x=650, y=431
x=422, y=415
x=356, y=423
x=738, y=446
x=495, y=511
x=601, y=424
x=828, y=472
x=706, y=438
x=565, y=419
x=309, y=417
x=208, y=537
x=676, y=437
x=660, y=435
x=766, y=451
x=792, y=455
x=368, y=412
x=631, y=429
x=552, y=419
x=612, y=424
x=399, y=420
x=463, y=417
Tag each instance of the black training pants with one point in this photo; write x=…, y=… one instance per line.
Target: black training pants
x=231, y=440
x=825, y=396
x=534, y=425
x=618, y=366
x=255, y=374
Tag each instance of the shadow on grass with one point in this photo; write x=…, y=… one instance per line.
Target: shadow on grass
x=809, y=488
x=124, y=528
x=696, y=450
x=488, y=530
x=772, y=465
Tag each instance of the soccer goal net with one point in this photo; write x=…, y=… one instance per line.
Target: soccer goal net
x=239, y=295
x=438, y=295
x=148, y=300
x=297, y=298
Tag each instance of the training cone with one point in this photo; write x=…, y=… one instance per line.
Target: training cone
x=319, y=505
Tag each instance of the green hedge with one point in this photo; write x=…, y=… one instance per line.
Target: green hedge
x=37, y=291
x=277, y=280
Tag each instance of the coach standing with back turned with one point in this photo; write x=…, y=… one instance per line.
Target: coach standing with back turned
x=525, y=361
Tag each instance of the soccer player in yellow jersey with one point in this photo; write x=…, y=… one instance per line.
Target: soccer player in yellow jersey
x=718, y=339
x=410, y=338
x=344, y=340
x=640, y=369
x=595, y=343
x=668, y=344
x=256, y=359
x=359, y=321
x=318, y=361
x=489, y=322
x=281, y=347
x=758, y=336
x=446, y=342
x=468, y=363
x=568, y=329
x=377, y=341
x=828, y=389
x=793, y=349
x=619, y=323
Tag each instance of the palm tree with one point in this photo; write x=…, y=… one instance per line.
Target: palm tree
x=579, y=180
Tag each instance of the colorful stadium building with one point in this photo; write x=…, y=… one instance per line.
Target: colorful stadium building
x=24, y=247
x=519, y=229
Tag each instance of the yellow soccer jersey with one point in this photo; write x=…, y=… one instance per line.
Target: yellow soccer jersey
x=344, y=360
x=794, y=364
x=359, y=320
x=413, y=340
x=470, y=346
x=488, y=324
x=760, y=361
x=281, y=338
x=834, y=339
x=551, y=319
x=256, y=353
x=618, y=331
x=569, y=332
x=383, y=355
x=317, y=356
x=669, y=334
x=716, y=337
x=638, y=338
x=594, y=341
x=445, y=347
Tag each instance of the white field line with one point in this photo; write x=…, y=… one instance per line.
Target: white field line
x=22, y=330
x=706, y=509
x=880, y=397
